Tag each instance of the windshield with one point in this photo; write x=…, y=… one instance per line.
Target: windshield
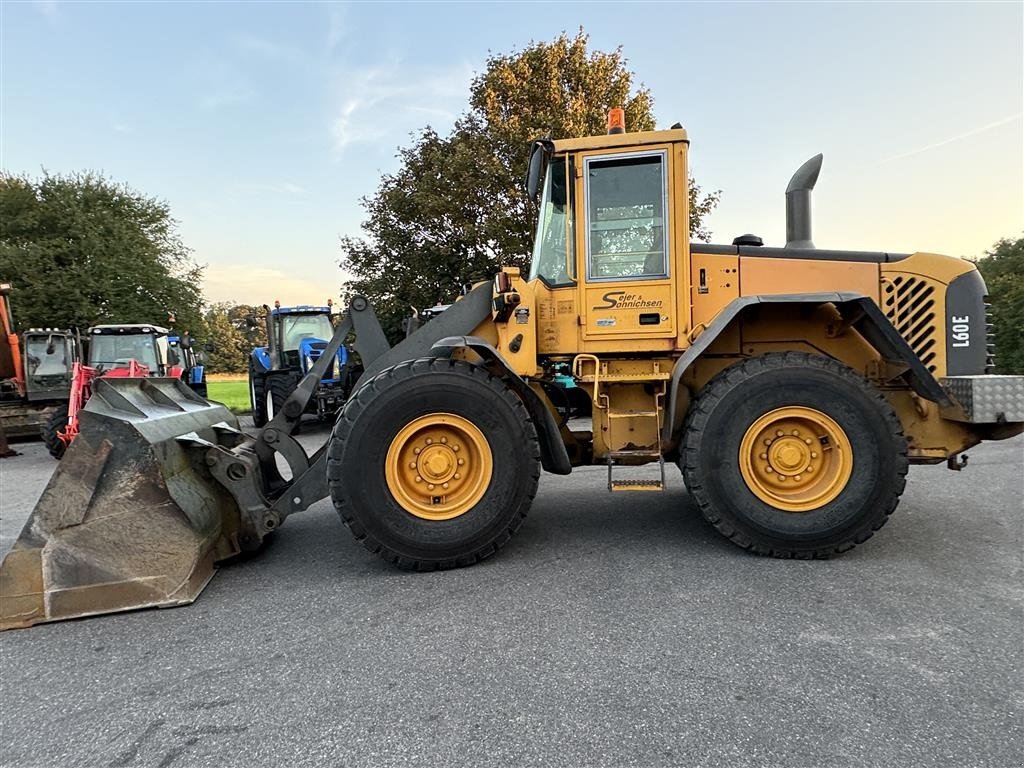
x=47, y=356
x=299, y=327
x=552, y=248
x=106, y=352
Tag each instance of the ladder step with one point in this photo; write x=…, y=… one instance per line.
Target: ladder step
x=635, y=454
x=620, y=378
x=636, y=485
x=632, y=414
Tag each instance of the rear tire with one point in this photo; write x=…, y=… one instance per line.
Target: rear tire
x=257, y=396
x=733, y=457
x=385, y=426
x=57, y=422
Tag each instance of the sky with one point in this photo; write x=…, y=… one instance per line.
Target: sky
x=264, y=124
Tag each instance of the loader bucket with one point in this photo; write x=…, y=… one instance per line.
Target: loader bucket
x=131, y=517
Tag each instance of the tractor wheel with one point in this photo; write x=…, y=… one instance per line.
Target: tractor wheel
x=279, y=388
x=433, y=464
x=257, y=396
x=793, y=455
x=57, y=422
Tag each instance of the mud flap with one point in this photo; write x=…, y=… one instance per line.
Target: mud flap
x=131, y=518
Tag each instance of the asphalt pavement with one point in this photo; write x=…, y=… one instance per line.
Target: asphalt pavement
x=613, y=630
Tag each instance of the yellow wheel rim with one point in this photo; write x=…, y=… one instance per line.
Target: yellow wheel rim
x=796, y=459
x=439, y=466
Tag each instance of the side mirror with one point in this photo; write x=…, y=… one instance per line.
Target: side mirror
x=250, y=322
x=185, y=341
x=210, y=347
x=200, y=358
x=540, y=153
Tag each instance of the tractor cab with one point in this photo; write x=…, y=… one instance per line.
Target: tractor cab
x=183, y=353
x=297, y=337
x=50, y=354
x=116, y=347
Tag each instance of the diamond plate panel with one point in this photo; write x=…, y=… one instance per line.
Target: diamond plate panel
x=988, y=399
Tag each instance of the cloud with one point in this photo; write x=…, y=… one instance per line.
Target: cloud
x=958, y=137
x=382, y=104
x=226, y=98
x=247, y=284
x=267, y=188
x=48, y=8
x=336, y=26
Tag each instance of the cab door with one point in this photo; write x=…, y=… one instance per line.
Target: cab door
x=625, y=247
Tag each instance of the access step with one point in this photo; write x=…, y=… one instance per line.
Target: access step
x=636, y=485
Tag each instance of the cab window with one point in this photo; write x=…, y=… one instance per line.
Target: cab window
x=553, y=246
x=627, y=236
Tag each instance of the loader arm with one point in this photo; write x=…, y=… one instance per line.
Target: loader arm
x=250, y=471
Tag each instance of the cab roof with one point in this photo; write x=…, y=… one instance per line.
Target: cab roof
x=302, y=309
x=128, y=328
x=624, y=140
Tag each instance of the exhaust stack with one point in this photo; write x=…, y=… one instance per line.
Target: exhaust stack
x=798, y=204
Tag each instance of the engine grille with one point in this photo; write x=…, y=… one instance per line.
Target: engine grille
x=909, y=303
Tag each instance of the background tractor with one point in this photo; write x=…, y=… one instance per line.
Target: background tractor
x=791, y=386
x=182, y=352
x=296, y=338
x=114, y=351
x=35, y=373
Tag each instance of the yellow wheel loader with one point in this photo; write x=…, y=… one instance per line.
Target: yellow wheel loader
x=791, y=385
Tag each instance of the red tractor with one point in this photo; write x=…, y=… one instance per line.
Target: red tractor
x=115, y=351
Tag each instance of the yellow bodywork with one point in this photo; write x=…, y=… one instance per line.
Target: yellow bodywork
x=605, y=331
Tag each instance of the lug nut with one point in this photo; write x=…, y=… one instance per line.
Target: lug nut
x=412, y=465
x=444, y=485
x=430, y=486
x=807, y=440
x=430, y=440
x=416, y=451
x=456, y=476
x=455, y=448
x=419, y=479
x=796, y=432
x=814, y=455
x=797, y=477
x=779, y=433
x=767, y=441
x=444, y=439
x=461, y=462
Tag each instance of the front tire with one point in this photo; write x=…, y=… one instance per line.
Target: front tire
x=433, y=464
x=793, y=455
x=57, y=423
x=257, y=396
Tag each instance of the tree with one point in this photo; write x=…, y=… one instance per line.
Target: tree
x=231, y=336
x=1003, y=270
x=81, y=249
x=455, y=210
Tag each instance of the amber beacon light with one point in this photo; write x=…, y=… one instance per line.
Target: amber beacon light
x=616, y=120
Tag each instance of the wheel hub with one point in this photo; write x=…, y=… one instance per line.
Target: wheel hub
x=796, y=459
x=439, y=466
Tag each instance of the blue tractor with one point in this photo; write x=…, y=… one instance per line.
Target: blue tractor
x=297, y=337
x=182, y=350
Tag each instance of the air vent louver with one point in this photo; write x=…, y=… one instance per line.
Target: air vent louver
x=909, y=303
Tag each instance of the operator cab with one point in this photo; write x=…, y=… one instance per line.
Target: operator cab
x=49, y=356
x=115, y=346
x=611, y=244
